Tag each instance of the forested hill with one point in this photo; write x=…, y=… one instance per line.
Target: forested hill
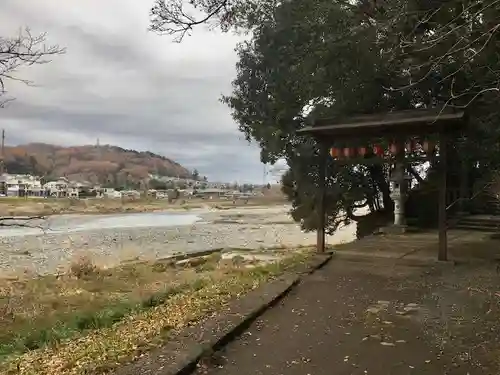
x=96, y=164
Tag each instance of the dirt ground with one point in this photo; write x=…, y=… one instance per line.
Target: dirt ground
x=377, y=317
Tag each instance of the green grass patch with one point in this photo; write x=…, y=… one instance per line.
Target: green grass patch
x=33, y=336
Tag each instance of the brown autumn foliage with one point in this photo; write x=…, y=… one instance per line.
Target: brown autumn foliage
x=96, y=164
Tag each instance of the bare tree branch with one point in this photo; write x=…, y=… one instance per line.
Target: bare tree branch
x=443, y=51
x=24, y=49
x=171, y=17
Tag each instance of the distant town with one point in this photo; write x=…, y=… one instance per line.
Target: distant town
x=159, y=187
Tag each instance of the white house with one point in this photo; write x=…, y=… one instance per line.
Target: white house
x=131, y=194
x=108, y=192
x=73, y=190
x=58, y=188
x=21, y=185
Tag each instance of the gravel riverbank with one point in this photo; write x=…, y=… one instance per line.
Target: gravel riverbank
x=249, y=228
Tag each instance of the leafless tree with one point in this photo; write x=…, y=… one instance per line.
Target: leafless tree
x=23, y=49
x=174, y=17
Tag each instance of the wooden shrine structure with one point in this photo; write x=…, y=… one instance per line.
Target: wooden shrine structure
x=347, y=137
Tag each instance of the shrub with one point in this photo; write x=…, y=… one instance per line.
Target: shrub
x=83, y=267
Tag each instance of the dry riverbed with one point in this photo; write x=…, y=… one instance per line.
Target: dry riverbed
x=91, y=319
x=243, y=228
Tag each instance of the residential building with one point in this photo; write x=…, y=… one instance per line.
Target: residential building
x=21, y=185
x=73, y=190
x=58, y=188
x=209, y=193
x=84, y=188
x=131, y=194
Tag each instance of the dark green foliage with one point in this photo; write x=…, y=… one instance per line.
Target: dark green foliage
x=309, y=56
x=339, y=58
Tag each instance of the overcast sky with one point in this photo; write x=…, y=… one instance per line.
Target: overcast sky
x=127, y=86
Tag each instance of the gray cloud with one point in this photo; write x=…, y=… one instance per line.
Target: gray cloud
x=127, y=87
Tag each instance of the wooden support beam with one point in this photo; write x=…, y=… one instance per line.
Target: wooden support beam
x=320, y=200
x=443, y=225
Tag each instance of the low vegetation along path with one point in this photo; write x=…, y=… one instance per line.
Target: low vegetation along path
x=374, y=318
x=91, y=320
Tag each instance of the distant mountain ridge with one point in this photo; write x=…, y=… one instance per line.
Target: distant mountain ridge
x=104, y=164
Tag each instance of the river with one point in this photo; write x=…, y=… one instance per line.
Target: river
x=83, y=223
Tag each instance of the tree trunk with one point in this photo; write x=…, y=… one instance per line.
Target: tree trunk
x=378, y=177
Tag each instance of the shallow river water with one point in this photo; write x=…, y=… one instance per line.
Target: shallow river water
x=83, y=223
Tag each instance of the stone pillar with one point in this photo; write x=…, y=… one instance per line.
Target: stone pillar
x=398, y=194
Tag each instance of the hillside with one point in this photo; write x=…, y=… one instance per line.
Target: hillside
x=96, y=164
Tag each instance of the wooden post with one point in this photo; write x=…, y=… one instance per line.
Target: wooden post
x=320, y=241
x=443, y=240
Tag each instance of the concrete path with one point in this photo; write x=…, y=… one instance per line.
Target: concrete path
x=364, y=317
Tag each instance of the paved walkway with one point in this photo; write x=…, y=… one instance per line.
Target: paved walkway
x=462, y=245
x=363, y=317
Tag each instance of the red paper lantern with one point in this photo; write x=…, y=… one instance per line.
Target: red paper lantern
x=428, y=146
x=347, y=152
x=334, y=152
x=378, y=150
x=362, y=151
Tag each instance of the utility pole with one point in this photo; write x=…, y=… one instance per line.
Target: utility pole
x=2, y=162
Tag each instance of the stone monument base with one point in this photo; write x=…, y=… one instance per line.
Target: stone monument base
x=394, y=229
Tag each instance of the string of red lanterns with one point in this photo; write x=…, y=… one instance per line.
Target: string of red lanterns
x=349, y=152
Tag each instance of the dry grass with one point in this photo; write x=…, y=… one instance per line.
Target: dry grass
x=92, y=319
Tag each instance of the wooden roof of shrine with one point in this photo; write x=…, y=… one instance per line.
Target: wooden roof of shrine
x=407, y=122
